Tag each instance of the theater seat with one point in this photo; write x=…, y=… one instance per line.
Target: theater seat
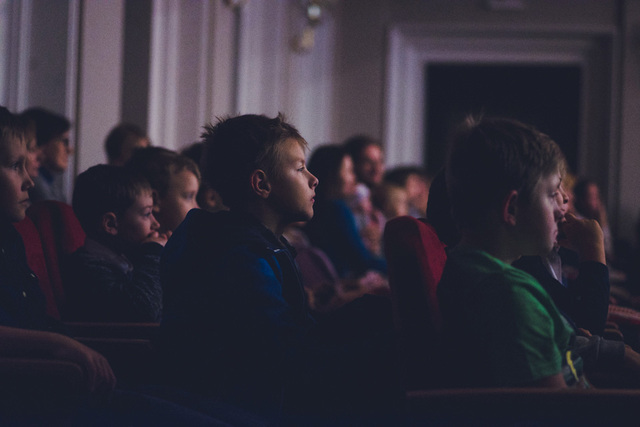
x=60, y=234
x=416, y=258
x=37, y=262
x=51, y=231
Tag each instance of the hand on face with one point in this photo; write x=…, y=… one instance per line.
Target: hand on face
x=156, y=237
x=582, y=235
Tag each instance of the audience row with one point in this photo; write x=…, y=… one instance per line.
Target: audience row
x=204, y=243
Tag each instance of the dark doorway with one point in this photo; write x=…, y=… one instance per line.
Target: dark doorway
x=547, y=97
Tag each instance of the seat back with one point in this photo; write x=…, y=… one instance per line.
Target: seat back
x=37, y=262
x=61, y=234
x=415, y=257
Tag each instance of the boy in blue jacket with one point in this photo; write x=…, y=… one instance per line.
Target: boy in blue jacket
x=234, y=306
x=235, y=323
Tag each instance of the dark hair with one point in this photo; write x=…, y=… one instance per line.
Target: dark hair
x=400, y=174
x=356, y=144
x=236, y=146
x=157, y=164
x=325, y=163
x=11, y=127
x=194, y=152
x=49, y=125
x=105, y=188
x=120, y=136
x=579, y=191
x=490, y=157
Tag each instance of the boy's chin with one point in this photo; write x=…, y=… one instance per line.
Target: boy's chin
x=18, y=215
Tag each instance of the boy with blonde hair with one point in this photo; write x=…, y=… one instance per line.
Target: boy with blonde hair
x=234, y=307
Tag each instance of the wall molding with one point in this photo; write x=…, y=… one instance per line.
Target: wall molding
x=411, y=48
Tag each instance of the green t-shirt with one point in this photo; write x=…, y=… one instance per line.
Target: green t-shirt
x=501, y=326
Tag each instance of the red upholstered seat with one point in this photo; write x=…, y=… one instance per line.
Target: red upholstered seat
x=37, y=262
x=60, y=234
x=416, y=258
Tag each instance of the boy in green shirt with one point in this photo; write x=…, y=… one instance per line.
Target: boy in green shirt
x=501, y=326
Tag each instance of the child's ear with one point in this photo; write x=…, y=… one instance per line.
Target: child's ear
x=109, y=223
x=260, y=183
x=510, y=208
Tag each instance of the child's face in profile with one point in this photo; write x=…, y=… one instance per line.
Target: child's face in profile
x=55, y=153
x=538, y=220
x=137, y=223
x=293, y=191
x=371, y=167
x=14, y=180
x=178, y=201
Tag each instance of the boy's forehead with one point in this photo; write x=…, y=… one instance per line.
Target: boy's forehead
x=12, y=146
x=143, y=198
x=293, y=147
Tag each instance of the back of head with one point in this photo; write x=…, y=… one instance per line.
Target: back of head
x=356, y=144
x=121, y=141
x=488, y=158
x=157, y=164
x=105, y=188
x=48, y=124
x=439, y=211
x=400, y=174
x=325, y=163
x=236, y=146
x=194, y=152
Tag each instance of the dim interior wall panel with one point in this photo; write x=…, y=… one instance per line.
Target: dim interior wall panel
x=190, y=76
x=99, y=78
x=629, y=212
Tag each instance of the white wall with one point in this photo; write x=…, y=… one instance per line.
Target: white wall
x=99, y=78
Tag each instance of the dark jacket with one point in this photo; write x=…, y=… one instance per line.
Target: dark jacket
x=234, y=317
x=22, y=303
x=104, y=286
x=583, y=299
x=333, y=229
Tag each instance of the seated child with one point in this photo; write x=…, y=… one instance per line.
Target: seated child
x=115, y=276
x=583, y=300
x=501, y=326
x=207, y=197
x=174, y=179
x=25, y=328
x=583, y=294
x=230, y=276
x=416, y=182
x=235, y=322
